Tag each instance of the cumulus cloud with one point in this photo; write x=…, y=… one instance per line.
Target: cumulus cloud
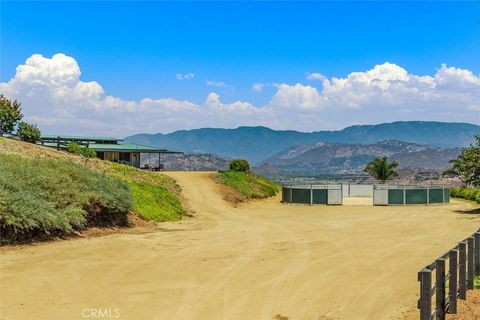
x=315, y=76
x=54, y=96
x=185, y=76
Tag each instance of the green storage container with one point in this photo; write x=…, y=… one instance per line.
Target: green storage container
x=395, y=196
x=416, y=196
x=435, y=196
x=320, y=196
x=300, y=195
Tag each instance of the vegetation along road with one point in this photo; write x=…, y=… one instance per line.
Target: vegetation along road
x=259, y=260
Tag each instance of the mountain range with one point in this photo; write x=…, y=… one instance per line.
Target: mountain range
x=258, y=144
x=324, y=157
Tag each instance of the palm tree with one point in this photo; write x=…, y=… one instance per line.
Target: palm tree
x=381, y=169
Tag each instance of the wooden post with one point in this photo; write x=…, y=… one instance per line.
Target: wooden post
x=470, y=275
x=462, y=270
x=476, y=255
x=440, y=289
x=452, y=281
x=425, y=302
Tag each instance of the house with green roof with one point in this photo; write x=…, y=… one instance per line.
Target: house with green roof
x=112, y=149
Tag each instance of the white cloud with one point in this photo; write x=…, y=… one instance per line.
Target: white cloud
x=220, y=85
x=185, y=76
x=297, y=96
x=258, y=87
x=315, y=76
x=54, y=96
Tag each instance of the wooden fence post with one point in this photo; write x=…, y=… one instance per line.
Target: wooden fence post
x=425, y=301
x=476, y=254
x=452, y=281
x=440, y=289
x=462, y=270
x=470, y=275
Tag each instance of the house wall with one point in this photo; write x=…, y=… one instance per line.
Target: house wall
x=128, y=158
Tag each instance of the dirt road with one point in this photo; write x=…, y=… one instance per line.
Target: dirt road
x=262, y=260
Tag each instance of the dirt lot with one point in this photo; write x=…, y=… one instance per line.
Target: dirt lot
x=262, y=260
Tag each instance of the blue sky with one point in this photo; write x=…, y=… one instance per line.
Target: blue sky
x=134, y=50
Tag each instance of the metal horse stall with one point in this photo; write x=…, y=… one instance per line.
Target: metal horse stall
x=313, y=194
x=386, y=195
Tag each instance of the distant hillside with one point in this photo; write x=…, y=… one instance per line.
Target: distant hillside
x=351, y=158
x=191, y=162
x=259, y=143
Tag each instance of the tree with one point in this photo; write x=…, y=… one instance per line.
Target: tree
x=381, y=169
x=28, y=132
x=239, y=165
x=467, y=165
x=10, y=114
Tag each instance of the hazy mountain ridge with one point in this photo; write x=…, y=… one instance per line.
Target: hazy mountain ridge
x=350, y=158
x=259, y=143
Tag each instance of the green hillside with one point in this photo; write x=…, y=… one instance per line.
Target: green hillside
x=44, y=193
x=246, y=186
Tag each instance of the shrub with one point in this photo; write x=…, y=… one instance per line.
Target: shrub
x=472, y=194
x=239, y=165
x=44, y=197
x=73, y=147
x=88, y=152
x=28, y=132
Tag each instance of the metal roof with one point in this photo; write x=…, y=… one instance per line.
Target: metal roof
x=80, y=138
x=120, y=146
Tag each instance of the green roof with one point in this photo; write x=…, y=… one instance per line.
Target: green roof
x=98, y=144
x=80, y=138
x=122, y=146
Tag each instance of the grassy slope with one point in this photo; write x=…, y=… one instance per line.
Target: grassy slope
x=248, y=185
x=155, y=196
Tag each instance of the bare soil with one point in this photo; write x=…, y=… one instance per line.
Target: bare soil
x=469, y=309
x=260, y=260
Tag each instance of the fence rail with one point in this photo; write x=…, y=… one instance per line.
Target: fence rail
x=463, y=266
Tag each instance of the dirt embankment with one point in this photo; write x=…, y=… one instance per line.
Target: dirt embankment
x=263, y=260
